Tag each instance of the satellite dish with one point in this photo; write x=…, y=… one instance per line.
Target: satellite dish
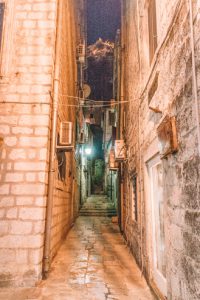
x=86, y=90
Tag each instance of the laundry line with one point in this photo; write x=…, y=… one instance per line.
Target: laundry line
x=110, y=102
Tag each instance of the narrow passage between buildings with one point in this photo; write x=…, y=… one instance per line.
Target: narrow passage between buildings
x=94, y=263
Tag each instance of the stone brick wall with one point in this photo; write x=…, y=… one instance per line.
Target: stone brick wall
x=174, y=96
x=27, y=66
x=63, y=212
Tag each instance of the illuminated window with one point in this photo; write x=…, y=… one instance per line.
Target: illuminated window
x=152, y=28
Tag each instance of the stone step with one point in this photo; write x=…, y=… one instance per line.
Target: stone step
x=98, y=212
x=98, y=208
x=114, y=213
x=102, y=214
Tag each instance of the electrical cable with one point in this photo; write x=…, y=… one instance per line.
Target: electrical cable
x=109, y=105
x=92, y=100
x=94, y=104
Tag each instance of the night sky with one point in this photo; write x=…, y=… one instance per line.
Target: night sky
x=103, y=19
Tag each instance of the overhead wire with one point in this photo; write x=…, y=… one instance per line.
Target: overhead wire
x=92, y=105
x=89, y=103
x=96, y=101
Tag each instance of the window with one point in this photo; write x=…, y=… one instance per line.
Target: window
x=2, y=9
x=114, y=135
x=152, y=28
x=111, y=118
x=61, y=157
x=134, y=204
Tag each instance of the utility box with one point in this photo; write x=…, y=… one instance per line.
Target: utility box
x=120, y=150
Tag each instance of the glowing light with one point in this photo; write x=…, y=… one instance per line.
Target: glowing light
x=88, y=151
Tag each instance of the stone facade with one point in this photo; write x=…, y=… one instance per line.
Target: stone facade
x=156, y=88
x=26, y=88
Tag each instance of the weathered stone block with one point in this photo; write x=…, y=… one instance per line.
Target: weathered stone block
x=21, y=242
x=4, y=189
x=12, y=213
x=16, y=154
x=6, y=201
x=4, y=129
x=10, y=141
x=3, y=228
x=20, y=227
x=21, y=256
x=24, y=201
x=31, y=213
x=31, y=177
x=14, y=177
x=30, y=166
x=34, y=120
x=28, y=189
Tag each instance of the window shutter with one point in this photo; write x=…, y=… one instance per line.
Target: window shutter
x=111, y=118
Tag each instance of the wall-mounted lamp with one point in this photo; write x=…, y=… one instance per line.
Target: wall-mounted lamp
x=88, y=151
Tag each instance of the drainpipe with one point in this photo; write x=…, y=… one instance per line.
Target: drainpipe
x=55, y=98
x=194, y=75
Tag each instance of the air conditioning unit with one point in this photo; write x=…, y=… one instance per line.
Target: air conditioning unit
x=120, y=150
x=65, y=134
x=81, y=53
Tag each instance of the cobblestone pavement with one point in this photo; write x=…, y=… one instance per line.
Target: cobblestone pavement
x=92, y=264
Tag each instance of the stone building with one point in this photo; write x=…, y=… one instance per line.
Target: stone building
x=159, y=120
x=37, y=72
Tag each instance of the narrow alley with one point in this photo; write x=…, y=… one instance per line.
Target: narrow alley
x=99, y=149
x=93, y=263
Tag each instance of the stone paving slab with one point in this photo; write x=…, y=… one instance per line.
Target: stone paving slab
x=92, y=264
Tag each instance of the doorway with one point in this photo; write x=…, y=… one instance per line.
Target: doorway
x=158, y=254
